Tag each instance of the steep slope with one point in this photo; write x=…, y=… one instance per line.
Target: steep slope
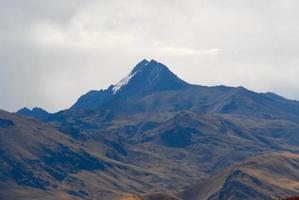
x=148, y=77
x=35, y=158
x=268, y=176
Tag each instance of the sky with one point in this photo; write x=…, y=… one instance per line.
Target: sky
x=53, y=51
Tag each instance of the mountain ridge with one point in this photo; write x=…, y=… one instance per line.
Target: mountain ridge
x=147, y=84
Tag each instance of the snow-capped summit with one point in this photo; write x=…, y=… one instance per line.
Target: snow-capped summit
x=146, y=77
x=126, y=79
x=122, y=83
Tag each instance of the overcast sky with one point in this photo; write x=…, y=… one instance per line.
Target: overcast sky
x=53, y=51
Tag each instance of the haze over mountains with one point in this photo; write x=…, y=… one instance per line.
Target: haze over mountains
x=153, y=132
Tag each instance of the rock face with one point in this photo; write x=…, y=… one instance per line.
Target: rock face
x=150, y=132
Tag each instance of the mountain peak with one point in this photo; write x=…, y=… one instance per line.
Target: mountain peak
x=36, y=112
x=145, y=64
x=148, y=75
x=138, y=68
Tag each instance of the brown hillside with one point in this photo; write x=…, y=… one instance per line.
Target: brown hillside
x=152, y=196
x=269, y=176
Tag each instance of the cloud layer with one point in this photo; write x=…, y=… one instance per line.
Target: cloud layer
x=53, y=52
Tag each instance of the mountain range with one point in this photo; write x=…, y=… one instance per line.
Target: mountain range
x=150, y=135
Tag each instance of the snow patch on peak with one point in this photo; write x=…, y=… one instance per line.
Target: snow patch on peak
x=122, y=83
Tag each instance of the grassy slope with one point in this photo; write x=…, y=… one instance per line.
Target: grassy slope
x=267, y=176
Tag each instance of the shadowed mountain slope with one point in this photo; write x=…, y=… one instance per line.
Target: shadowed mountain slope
x=36, y=158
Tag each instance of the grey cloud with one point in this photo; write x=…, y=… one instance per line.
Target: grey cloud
x=51, y=52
